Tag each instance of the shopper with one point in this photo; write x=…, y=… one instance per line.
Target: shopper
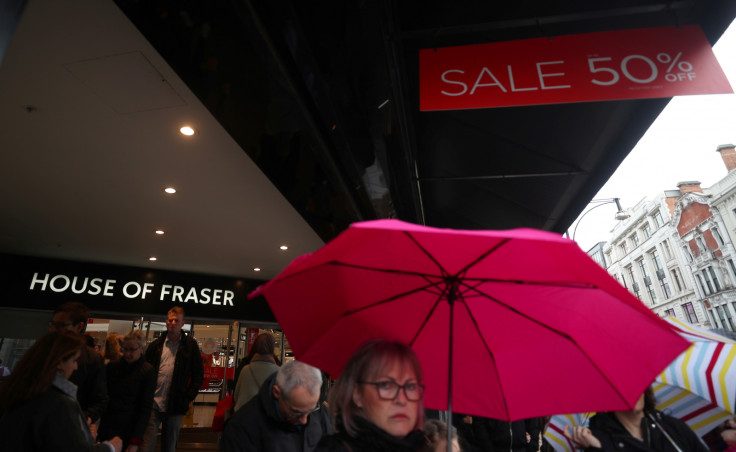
x=90, y=374
x=377, y=401
x=285, y=416
x=130, y=383
x=262, y=365
x=112, y=348
x=176, y=358
x=38, y=406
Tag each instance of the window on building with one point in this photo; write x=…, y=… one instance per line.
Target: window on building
x=658, y=219
x=623, y=280
x=713, y=317
x=670, y=312
x=715, y=279
x=701, y=244
x=687, y=252
x=733, y=269
x=661, y=274
x=689, y=311
x=706, y=278
x=676, y=278
x=647, y=280
x=717, y=236
x=700, y=283
x=667, y=249
x=635, y=239
x=729, y=319
x=647, y=231
x=722, y=317
x=634, y=285
x=624, y=247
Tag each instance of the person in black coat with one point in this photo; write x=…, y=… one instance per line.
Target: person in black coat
x=130, y=384
x=38, y=406
x=90, y=374
x=285, y=416
x=177, y=361
x=642, y=429
x=517, y=436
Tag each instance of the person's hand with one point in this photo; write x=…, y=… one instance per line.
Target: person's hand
x=468, y=419
x=132, y=448
x=731, y=422
x=92, y=428
x=582, y=436
x=729, y=436
x=117, y=444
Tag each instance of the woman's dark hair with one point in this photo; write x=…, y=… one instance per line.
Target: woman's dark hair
x=649, y=401
x=366, y=364
x=35, y=371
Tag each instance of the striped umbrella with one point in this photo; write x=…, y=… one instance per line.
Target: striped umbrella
x=699, y=387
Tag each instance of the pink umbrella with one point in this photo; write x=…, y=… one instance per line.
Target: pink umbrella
x=507, y=324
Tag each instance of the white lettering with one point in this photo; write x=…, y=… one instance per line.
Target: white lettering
x=74, y=284
x=543, y=76
x=146, y=289
x=216, y=295
x=95, y=284
x=137, y=289
x=108, y=288
x=192, y=294
x=57, y=277
x=178, y=292
x=513, y=85
x=229, y=294
x=43, y=281
x=165, y=290
x=205, y=296
x=444, y=79
x=495, y=81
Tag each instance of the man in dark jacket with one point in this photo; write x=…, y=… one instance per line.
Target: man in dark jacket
x=177, y=360
x=285, y=416
x=90, y=374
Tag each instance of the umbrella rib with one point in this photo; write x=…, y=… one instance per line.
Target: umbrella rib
x=429, y=315
x=391, y=298
x=429, y=255
x=555, y=331
x=382, y=270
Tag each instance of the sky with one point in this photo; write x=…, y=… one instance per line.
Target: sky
x=679, y=146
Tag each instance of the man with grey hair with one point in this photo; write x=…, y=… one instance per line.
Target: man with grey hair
x=285, y=416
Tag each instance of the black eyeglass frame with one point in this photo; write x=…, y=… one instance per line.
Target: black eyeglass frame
x=399, y=387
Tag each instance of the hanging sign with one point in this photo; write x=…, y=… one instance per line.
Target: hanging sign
x=609, y=65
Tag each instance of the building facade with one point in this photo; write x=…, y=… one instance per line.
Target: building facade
x=676, y=252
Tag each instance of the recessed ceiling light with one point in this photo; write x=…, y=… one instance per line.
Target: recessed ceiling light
x=284, y=247
x=152, y=258
x=170, y=190
x=160, y=232
x=186, y=130
x=257, y=269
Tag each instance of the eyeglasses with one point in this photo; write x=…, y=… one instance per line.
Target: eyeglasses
x=389, y=389
x=128, y=349
x=293, y=414
x=53, y=324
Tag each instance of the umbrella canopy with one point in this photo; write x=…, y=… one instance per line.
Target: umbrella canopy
x=507, y=324
x=697, y=387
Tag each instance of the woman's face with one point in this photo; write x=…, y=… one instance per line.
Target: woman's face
x=68, y=366
x=131, y=351
x=398, y=415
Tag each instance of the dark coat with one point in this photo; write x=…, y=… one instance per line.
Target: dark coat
x=615, y=438
x=257, y=426
x=131, y=388
x=51, y=421
x=91, y=383
x=188, y=371
x=494, y=435
x=370, y=438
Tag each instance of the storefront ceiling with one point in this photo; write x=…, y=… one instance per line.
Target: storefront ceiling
x=320, y=97
x=89, y=119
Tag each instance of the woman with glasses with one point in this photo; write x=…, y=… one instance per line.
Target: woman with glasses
x=38, y=403
x=131, y=382
x=377, y=401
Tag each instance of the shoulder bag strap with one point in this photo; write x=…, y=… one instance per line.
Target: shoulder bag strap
x=664, y=432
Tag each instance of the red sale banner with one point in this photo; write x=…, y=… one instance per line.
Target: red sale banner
x=610, y=65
